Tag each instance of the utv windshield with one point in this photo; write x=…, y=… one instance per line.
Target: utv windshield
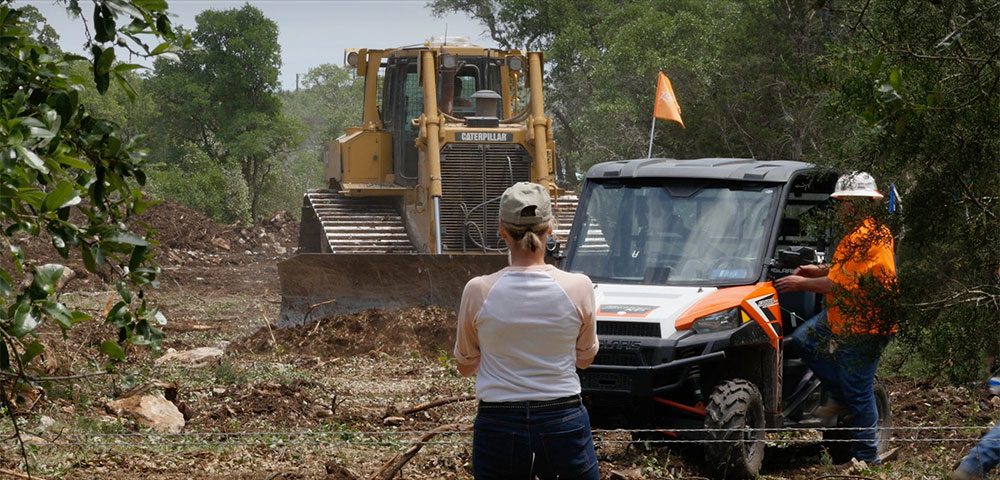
x=673, y=232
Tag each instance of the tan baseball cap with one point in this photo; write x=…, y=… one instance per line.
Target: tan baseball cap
x=525, y=204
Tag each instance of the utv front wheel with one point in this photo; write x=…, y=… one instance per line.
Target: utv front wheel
x=735, y=420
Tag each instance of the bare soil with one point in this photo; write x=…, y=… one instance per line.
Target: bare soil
x=326, y=400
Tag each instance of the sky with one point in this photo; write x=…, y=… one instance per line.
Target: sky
x=311, y=32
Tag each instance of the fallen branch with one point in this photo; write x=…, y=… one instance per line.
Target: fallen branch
x=437, y=403
x=141, y=389
x=54, y=379
x=305, y=318
x=4, y=471
x=392, y=467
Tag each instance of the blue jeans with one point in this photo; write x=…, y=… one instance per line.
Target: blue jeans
x=985, y=455
x=523, y=444
x=846, y=366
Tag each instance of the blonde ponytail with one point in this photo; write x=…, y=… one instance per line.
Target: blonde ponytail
x=530, y=238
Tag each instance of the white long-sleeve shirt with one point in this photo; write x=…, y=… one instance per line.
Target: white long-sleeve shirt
x=526, y=329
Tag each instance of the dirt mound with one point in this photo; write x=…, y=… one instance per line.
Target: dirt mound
x=278, y=404
x=424, y=329
x=186, y=235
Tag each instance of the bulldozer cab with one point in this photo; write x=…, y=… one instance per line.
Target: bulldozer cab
x=401, y=101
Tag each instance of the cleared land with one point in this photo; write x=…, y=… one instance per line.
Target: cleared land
x=330, y=401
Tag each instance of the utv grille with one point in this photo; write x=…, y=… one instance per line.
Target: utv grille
x=605, y=381
x=472, y=174
x=628, y=359
x=629, y=329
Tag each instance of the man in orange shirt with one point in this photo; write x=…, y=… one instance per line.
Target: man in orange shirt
x=842, y=344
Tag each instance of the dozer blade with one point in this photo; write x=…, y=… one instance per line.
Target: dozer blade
x=316, y=285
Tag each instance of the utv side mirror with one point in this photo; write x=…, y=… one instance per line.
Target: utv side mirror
x=795, y=257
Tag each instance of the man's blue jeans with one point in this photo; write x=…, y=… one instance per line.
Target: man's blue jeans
x=846, y=366
x=523, y=444
x=985, y=455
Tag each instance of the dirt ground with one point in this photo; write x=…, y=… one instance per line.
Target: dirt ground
x=330, y=400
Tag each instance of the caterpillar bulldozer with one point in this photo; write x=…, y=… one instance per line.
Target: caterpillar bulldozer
x=410, y=210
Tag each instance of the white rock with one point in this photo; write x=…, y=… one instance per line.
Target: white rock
x=393, y=420
x=197, y=357
x=45, y=422
x=151, y=410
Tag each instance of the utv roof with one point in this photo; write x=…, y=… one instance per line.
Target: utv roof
x=711, y=168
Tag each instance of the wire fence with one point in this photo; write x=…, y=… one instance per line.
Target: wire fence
x=392, y=438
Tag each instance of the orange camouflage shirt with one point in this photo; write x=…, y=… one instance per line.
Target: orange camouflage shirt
x=868, y=250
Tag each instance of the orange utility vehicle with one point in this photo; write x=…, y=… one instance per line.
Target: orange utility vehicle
x=683, y=254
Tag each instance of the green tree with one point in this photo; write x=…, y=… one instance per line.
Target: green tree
x=917, y=85
x=68, y=177
x=738, y=69
x=329, y=101
x=223, y=97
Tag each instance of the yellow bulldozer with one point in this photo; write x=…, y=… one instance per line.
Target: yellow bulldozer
x=410, y=211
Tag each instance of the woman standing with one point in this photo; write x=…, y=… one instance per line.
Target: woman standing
x=524, y=331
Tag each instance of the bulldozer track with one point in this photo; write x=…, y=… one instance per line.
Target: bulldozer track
x=359, y=225
x=565, y=209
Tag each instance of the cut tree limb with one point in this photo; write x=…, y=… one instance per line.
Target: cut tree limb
x=4, y=471
x=392, y=467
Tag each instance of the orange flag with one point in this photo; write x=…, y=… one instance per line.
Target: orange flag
x=666, y=103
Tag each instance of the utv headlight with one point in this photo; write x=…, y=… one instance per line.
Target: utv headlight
x=718, y=321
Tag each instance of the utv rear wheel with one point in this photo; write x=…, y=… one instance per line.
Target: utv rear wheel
x=735, y=419
x=836, y=441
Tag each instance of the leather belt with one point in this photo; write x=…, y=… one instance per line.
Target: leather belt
x=540, y=406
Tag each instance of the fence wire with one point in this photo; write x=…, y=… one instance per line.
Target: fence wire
x=394, y=438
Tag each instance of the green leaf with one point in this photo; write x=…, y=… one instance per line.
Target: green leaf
x=31, y=351
x=163, y=47
x=104, y=23
x=73, y=162
x=123, y=291
x=17, y=255
x=125, y=8
x=118, y=314
x=88, y=258
x=64, y=195
x=127, y=238
x=138, y=255
x=24, y=322
x=126, y=86
x=59, y=313
x=112, y=350
x=896, y=79
x=151, y=5
x=6, y=282
x=46, y=276
x=32, y=159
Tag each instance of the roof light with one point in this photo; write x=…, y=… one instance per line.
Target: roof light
x=515, y=63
